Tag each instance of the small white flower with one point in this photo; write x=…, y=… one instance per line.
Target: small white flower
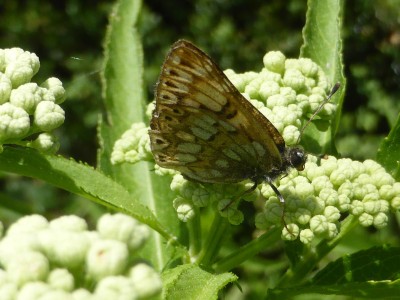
x=302, y=216
x=82, y=294
x=274, y=61
x=294, y=79
x=69, y=223
x=306, y=236
x=48, y=115
x=123, y=228
x=308, y=67
x=61, y=279
x=115, y=287
x=150, y=108
x=106, y=258
x=27, y=266
x=20, y=242
x=56, y=294
x=5, y=88
x=332, y=214
x=29, y=95
x=54, y=85
x=146, y=281
x=356, y=207
x=134, y=145
x=366, y=219
x=319, y=224
x=268, y=89
x=19, y=65
x=380, y=220
x=8, y=291
x=33, y=291
x=14, y=122
x=184, y=209
x=64, y=248
x=31, y=223
x=46, y=142
x=290, y=232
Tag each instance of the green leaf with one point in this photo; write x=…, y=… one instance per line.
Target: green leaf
x=79, y=179
x=367, y=290
x=322, y=44
x=367, y=274
x=122, y=91
x=377, y=264
x=388, y=154
x=125, y=104
x=191, y=282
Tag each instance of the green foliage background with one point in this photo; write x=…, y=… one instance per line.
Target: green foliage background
x=67, y=36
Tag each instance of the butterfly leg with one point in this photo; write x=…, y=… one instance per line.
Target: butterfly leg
x=281, y=200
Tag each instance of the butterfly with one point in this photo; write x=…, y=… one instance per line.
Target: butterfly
x=203, y=127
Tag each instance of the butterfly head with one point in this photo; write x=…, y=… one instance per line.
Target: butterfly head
x=296, y=157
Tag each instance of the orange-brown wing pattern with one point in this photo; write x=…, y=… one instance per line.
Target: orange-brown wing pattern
x=203, y=127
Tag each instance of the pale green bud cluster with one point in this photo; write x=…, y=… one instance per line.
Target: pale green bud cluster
x=286, y=91
x=133, y=146
x=317, y=198
x=62, y=259
x=26, y=108
x=225, y=197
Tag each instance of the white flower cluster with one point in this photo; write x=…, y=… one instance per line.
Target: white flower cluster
x=192, y=196
x=318, y=198
x=286, y=91
x=133, y=146
x=61, y=259
x=25, y=107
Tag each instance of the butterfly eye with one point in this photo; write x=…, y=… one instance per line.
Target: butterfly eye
x=297, y=158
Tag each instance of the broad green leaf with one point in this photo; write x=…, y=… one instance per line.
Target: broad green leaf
x=360, y=290
x=191, y=282
x=375, y=264
x=122, y=92
x=125, y=104
x=389, y=154
x=79, y=179
x=322, y=44
x=367, y=274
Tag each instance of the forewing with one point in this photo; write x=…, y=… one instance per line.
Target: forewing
x=203, y=127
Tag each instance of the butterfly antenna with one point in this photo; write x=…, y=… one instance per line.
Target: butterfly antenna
x=333, y=91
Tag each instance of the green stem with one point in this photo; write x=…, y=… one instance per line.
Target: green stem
x=308, y=263
x=213, y=242
x=247, y=251
x=194, y=229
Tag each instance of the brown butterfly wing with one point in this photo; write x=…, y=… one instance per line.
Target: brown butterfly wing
x=203, y=127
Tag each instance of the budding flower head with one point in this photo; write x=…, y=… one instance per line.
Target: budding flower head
x=27, y=108
x=317, y=205
x=133, y=146
x=289, y=90
x=48, y=260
